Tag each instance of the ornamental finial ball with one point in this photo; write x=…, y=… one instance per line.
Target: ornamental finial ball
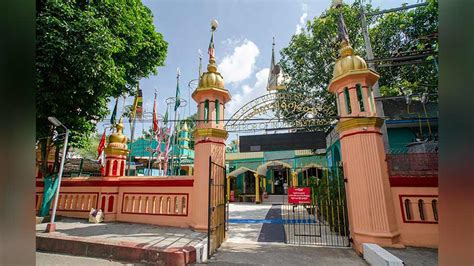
x=214, y=24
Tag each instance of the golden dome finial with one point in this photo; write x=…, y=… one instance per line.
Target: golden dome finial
x=347, y=61
x=212, y=78
x=119, y=126
x=118, y=136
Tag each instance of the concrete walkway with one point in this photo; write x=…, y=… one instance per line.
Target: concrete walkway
x=142, y=235
x=281, y=254
x=246, y=246
x=245, y=222
x=122, y=241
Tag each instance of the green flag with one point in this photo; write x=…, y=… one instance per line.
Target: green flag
x=178, y=100
x=165, y=119
x=114, y=113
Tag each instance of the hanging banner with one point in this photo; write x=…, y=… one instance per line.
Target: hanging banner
x=300, y=195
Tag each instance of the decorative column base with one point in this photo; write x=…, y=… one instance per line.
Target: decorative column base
x=382, y=239
x=50, y=228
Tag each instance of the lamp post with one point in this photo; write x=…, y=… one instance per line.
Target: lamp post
x=51, y=227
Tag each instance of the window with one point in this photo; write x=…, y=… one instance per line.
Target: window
x=217, y=112
x=360, y=98
x=421, y=209
x=348, y=101
x=434, y=205
x=408, y=209
x=371, y=99
x=198, y=114
x=114, y=168
x=206, y=111
x=338, y=105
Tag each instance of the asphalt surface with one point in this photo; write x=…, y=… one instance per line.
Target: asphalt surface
x=414, y=256
x=47, y=259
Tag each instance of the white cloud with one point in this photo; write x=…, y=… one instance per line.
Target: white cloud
x=239, y=65
x=231, y=41
x=300, y=26
x=248, y=92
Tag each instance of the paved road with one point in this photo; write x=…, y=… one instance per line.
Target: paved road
x=47, y=259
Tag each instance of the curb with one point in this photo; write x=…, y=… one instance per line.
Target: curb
x=121, y=251
x=201, y=251
x=376, y=255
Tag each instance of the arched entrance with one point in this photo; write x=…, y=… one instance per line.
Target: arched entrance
x=245, y=184
x=308, y=173
x=276, y=176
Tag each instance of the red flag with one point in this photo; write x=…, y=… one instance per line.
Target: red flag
x=155, y=118
x=101, y=146
x=100, y=150
x=210, y=50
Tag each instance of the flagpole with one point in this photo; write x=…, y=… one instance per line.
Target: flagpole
x=175, y=122
x=132, y=129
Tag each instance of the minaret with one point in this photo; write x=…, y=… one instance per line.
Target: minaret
x=116, y=152
x=209, y=134
x=275, y=77
x=370, y=205
x=183, y=139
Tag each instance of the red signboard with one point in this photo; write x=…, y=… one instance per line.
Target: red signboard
x=300, y=195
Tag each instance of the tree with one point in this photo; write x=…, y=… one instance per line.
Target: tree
x=403, y=32
x=86, y=53
x=89, y=149
x=309, y=58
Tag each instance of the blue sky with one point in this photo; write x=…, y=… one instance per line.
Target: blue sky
x=243, y=43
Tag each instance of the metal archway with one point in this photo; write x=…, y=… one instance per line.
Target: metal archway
x=278, y=110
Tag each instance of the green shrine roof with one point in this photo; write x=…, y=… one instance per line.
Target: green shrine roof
x=139, y=148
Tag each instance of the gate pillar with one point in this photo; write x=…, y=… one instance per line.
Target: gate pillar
x=370, y=205
x=257, y=188
x=209, y=135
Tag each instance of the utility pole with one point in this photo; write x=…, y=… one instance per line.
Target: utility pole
x=375, y=87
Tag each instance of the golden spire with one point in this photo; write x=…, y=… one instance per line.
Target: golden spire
x=212, y=78
x=119, y=126
x=185, y=127
x=211, y=67
x=118, y=136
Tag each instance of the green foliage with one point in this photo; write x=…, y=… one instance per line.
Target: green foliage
x=330, y=197
x=89, y=149
x=87, y=53
x=309, y=59
x=403, y=31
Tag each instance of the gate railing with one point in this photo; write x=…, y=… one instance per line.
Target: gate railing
x=324, y=221
x=218, y=210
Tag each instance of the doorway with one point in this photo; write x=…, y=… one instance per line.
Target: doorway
x=279, y=180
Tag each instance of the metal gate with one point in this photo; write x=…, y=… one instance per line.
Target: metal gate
x=218, y=211
x=323, y=222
